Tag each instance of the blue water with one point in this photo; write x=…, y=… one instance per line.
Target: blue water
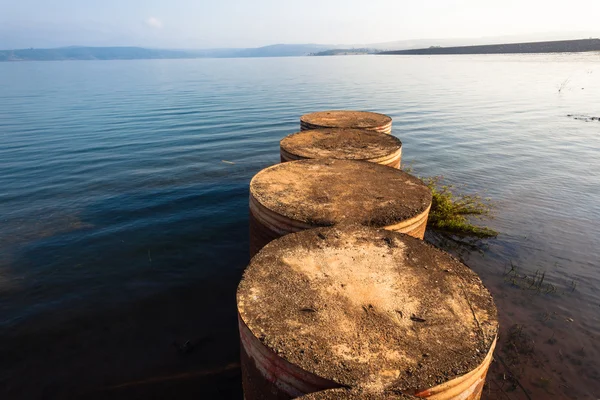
x=114, y=189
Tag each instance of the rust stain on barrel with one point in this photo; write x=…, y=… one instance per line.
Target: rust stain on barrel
x=391, y=313
x=342, y=144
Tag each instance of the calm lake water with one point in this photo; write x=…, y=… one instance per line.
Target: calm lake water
x=123, y=233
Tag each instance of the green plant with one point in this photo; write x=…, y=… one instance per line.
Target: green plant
x=450, y=211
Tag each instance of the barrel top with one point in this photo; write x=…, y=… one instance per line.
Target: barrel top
x=345, y=394
x=346, y=119
x=346, y=144
x=326, y=192
x=368, y=308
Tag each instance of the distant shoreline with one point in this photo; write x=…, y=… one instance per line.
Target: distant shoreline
x=139, y=53
x=562, y=46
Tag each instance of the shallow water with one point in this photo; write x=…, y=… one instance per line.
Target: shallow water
x=115, y=201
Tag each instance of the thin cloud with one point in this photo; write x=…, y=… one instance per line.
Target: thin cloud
x=154, y=22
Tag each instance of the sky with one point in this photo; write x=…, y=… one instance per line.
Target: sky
x=252, y=23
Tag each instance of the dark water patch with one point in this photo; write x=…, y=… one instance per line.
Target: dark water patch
x=134, y=244
x=130, y=351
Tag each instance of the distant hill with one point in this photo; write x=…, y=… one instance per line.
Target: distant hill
x=345, y=52
x=139, y=53
x=89, y=53
x=282, y=50
x=562, y=46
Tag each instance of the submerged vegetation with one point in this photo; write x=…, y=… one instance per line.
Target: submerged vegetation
x=535, y=282
x=451, y=211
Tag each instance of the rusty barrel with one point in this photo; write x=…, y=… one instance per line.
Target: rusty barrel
x=347, y=119
x=342, y=144
x=366, y=309
x=304, y=194
x=348, y=394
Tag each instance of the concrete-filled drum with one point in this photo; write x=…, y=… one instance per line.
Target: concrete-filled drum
x=342, y=144
x=365, y=309
x=304, y=194
x=347, y=119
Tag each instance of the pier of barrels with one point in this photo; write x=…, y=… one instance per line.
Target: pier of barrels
x=342, y=298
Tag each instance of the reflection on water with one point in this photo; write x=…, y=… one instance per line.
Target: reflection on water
x=122, y=230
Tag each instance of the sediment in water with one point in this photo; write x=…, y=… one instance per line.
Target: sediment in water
x=305, y=194
x=347, y=119
x=342, y=144
x=366, y=309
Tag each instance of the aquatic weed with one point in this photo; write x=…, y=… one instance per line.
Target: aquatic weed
x=450, y=211
x=534, y=283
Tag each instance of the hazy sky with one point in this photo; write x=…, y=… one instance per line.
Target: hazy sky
x=239, y=23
